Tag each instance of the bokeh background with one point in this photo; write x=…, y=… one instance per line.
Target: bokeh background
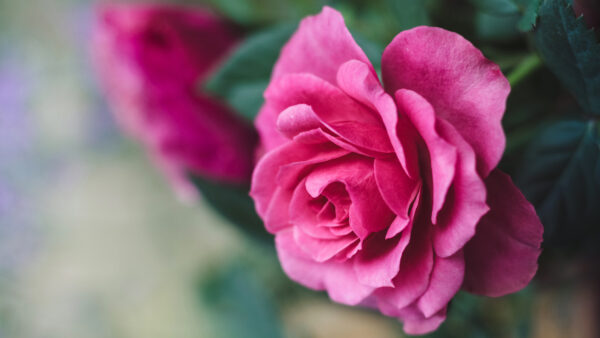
x=94, y=243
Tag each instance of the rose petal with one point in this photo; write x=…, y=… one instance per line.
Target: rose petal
x=368, y=212
x=502, y=257
x=296, y=119
x=397, y=190
x=337, y=278
x=442, y=155
x=463, y=86
x=270, y=206
x=333, y=108
x=415, y=268
x=321, y=250
x=320, y=46
x=415, y=323
x=356, y=79
x=446, y=279
x=378, y=262
x=465, y=203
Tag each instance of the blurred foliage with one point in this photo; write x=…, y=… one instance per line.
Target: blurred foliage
x=571, y=51
x=239, y=304
x=242, y=79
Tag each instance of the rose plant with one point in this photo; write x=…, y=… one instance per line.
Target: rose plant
x=388, y=196
x=151, y=60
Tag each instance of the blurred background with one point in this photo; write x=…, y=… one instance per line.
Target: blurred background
x=94, y=243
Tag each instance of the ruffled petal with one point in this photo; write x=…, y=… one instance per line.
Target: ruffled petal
x=368, y=212
x=465, y=203
x=337, y=112
x=356, y=79
x=271, y=186
x=442, y=155
x=378, y=261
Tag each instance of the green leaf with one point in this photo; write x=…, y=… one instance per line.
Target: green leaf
x=571, y=51
x=496, y=27
x=234, y=203
x=409, y=13
x=530, y=13
x=558, y=178
x=244, y=76
x=239, y=305
x=496, y=7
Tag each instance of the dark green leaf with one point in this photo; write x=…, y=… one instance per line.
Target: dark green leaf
x=571, y=51
x=496, y=27
x=234, y=203
x=246, y=73
x=558, y=178
x=239, y=305
x=409, y=13
x=496, y=7
x=530, y=14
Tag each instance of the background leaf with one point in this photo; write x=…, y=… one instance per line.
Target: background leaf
x=558, y=177
x=571, y=51
x=245, y=75
x=239, y=304
x=234, y=203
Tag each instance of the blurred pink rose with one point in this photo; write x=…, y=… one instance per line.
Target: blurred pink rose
x=151, y=60
x=389, y=198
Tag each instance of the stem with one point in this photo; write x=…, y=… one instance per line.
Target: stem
x=524, y=68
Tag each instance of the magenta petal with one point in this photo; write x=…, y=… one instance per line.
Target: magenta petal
x=446, y=279
x=415, y=322
x=335, y=110
x=463, y=86
x=465, y=203
x=356, y=79
x=415, y=269
x=368, y=212
x=337, y=278
x=502, y=257
x=296, y=264
x=397, y=189
x=319, y=249
x=271, y=199
x=442, y=154
x=378, y=262
x=320, y=46
x=296, y=119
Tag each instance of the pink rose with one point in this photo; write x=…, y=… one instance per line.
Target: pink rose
x=387, y=196
x=151, y=60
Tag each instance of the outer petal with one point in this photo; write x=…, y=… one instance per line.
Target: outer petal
x=463, y=86
x=446, y=279
x=320, y=46
x=337, y=278
x=502, y=257
x=442, y=155
x=465, y=203
x=415, y=322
